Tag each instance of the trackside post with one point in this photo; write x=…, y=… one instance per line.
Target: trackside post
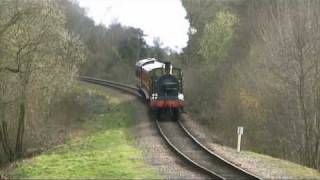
x=240, y=132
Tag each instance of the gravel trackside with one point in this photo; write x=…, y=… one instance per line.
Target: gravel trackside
x=157, y=152
x=263, y=166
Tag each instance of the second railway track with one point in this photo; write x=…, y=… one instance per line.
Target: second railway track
x=184, y=144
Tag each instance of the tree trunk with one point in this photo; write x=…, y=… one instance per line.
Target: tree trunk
x=20, y=132
x=5, y=141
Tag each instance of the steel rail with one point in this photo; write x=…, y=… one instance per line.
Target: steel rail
x=216, y=176
x=134, y=90
x=195, y=140
x=181, y=142
x=106, y=82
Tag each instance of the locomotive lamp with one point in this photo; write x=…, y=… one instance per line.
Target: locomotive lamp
x=154, y=96
x=181, y=96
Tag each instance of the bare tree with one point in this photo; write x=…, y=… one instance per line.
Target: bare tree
x=37, y=53
x=290, y=32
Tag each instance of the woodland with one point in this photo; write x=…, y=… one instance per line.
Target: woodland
x=250, y=63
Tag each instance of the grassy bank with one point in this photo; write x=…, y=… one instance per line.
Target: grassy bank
x=104, y=149
x=294, y=170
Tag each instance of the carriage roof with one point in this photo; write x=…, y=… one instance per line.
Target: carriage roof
x=149, y=64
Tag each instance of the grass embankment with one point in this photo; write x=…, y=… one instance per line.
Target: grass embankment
x=292, y=169
x=106, y=148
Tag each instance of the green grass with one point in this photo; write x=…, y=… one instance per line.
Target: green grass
x=106, y=151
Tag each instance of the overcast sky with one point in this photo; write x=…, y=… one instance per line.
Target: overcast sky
x=157, y=18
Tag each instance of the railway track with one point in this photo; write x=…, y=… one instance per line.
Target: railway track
x=120, y=86
x=184, y=143
x=188, y=147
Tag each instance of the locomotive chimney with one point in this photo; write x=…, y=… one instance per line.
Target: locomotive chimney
x=168, y=67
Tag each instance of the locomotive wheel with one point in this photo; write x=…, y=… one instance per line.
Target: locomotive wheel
x=167, y=114
x=144, y=98
x=176, y=114
x=158, y=113
x=142, y=94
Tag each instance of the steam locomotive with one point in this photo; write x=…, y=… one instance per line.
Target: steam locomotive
x=161, y=84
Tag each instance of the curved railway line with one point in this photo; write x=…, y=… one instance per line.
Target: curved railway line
x=184, y=143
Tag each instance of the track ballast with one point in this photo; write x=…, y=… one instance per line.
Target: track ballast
x=183, y=143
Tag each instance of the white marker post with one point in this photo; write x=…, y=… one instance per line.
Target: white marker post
x=240, y=132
